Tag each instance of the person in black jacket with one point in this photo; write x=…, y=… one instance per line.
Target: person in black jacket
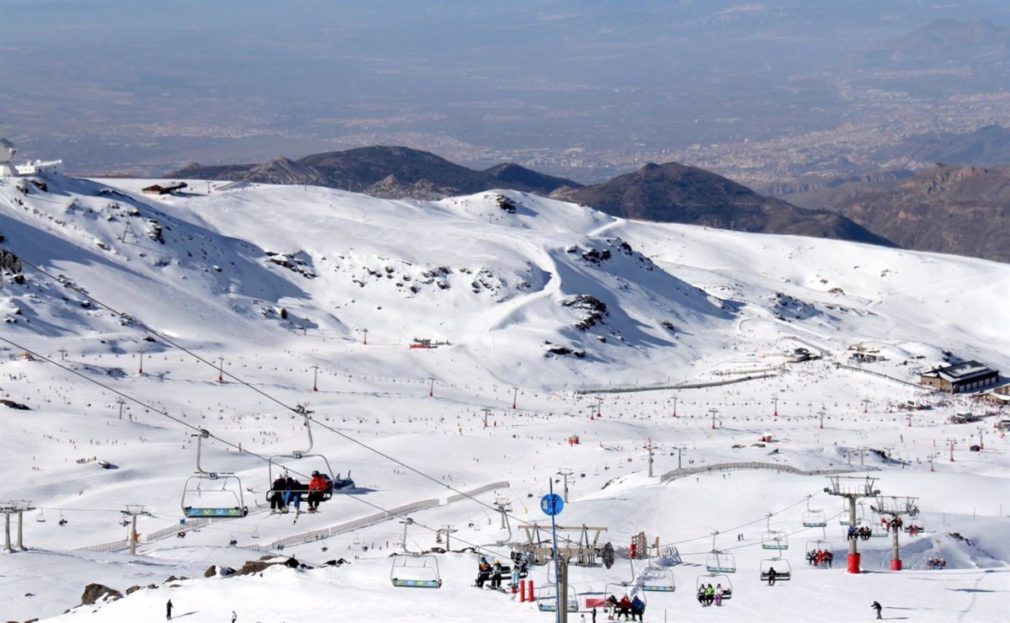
x=168, y=609
x=277, y=497
x=876, y=606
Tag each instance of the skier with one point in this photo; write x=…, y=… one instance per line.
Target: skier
x=876, y=606
x=317, y=486
x=496, y=571
x=637, y=608
x=483, y=572
x=277, y=497
x=234, y=617
x=771, y=576
x=168, y=609
x=514, y=577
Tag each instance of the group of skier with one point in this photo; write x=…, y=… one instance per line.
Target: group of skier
x=862, y=532
x=708, y=595
x=492, y=574
x=287, y=491
x=820, y=557
x=630, y=608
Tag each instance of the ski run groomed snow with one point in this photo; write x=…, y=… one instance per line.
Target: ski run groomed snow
x=507, y=299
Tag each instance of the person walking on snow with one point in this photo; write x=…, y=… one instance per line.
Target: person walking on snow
x=876, y=606
x=168, y=609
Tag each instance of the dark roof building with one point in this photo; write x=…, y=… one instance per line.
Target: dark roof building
x=167, y=189
x=966, y=376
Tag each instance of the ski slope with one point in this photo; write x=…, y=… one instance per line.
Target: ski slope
x=536, y=303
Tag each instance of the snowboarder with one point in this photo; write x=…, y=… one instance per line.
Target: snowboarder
x=483, y=572
x=876, y=606
x=771, y=576
x=168, y=609
x=496, y=572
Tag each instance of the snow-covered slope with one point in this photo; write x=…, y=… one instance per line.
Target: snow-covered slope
x=524, y=299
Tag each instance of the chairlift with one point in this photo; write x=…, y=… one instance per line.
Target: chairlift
x=546, y=597
x=843, y=519
x=41, y=516
x=814, y=518
x=654, y=579
x=414, y=569
x=716, y=579
x=63, y=520
x=783, y=571
x=322, y=465
x=820, y=545
x=720, y=561
x=212, y=495
x=774, y=539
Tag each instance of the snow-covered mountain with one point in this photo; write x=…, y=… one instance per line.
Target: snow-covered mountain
x=516, y=298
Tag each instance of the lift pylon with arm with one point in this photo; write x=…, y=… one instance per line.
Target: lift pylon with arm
x=894, y=507
x=852, y=488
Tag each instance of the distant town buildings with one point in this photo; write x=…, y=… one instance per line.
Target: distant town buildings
x=164, y=189
x=967, y=376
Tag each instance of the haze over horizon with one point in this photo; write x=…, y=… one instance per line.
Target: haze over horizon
x=761, y=91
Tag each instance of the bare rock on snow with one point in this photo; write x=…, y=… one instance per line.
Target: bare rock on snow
x=93, y=593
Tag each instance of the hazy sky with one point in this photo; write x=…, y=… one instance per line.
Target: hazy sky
x=119, y=84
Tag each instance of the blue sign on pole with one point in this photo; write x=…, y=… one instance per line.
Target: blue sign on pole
x=552, y=504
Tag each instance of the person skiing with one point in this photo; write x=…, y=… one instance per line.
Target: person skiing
x=496, y=572
x=483, y=572
x=771, y=576
x=277, y=495
x=293, y=493
x=514, y=578
x=317, y=487
x=876, y=606
x=168, y=609
x=637, y=608
x=234, y=617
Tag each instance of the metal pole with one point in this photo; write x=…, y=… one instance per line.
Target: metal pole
x=563, y=590
x=133, y=536
x=895, y=549
x=554, y=547
x=21, y=532
x=7, y=530
x=853, y=562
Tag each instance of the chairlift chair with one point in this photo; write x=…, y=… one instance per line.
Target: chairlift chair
x=654, y=579
x=719, y=561
x=415, y=571
x=41, y=516
x=322, y=465
x=716, y=579
x=783, y=571
x=212, y=495
x=774, y=539
x=814, y=518
x=547, y=598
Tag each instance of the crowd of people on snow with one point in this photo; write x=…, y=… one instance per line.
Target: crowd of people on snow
x=935, y=562
x=891, y=524
x=287, y=491
x=708, y=595
x=820, y=558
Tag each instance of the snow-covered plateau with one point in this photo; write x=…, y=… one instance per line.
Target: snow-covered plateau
x=459, y=355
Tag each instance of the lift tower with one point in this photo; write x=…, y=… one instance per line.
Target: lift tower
x=852, y=488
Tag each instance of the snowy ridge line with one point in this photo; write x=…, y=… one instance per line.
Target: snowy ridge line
x=368, y=520
x=884, y=376
x=719, y=467
x=653, y=388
